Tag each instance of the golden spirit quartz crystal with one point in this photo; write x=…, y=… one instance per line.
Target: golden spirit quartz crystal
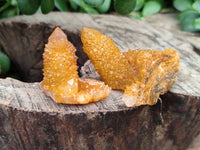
x=61, y=81
x=142, y=74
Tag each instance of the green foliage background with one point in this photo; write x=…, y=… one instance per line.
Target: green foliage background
x=189, y=9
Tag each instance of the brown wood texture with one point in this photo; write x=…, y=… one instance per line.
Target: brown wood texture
x=30, y=120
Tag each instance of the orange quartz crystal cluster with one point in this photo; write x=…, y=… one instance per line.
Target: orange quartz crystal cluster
x=142, y=74
x=61, y=80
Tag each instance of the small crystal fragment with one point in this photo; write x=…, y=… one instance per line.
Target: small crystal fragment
x=91, y=90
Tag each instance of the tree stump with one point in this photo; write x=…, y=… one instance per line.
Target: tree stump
x=31, y=120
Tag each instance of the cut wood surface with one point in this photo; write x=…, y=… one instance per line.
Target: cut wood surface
x=171, y=23
x=31, y=120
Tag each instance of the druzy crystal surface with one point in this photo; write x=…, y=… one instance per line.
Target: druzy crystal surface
x=61, y=81
x=142, y=74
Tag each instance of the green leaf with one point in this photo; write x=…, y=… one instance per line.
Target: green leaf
x=196, y=24
x=196, y=5
x=85, y=7
x=80, y=3
x=139, y=4
x=9, y=12
x=28, y=7
x=94, y=3
x=90, y=10
x=4, y=63
x=186, y=13
x=151, y=7
x=47, y=6
x=162, y=2
x=124, y=7
x=61, y=5
x=182, y=5
x=187, y=18
x=127, y=0
x=104, y=7
x=6, y=5
x=73, y=5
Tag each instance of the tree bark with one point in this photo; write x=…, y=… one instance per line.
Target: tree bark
x=31, y=120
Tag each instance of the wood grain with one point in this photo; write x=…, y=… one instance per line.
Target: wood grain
x=171, y=23
x=30, y=120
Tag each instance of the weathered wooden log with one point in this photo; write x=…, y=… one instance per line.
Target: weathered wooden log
x=31, y=120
